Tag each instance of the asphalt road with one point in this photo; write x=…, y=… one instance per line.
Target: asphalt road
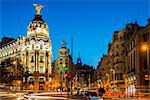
x=11, y=98
x=8, y=98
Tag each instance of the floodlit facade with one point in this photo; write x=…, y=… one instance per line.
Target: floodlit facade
x=34, y=52
x=128, y=61
x=137, y=74
x=63, y=69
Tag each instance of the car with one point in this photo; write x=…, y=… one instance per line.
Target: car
x=84, y=92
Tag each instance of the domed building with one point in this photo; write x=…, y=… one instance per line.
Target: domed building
x=34, y=52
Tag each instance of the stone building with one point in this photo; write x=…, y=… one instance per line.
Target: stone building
x=137, y=45
x=128, y=60
x=102, y=72
x=34, y=51
x=115, y=63
x=84, y=75
x=63, y=69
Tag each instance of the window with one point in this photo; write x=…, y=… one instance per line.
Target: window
x=145, y=63
x=145, y=60
x=146, y=79
x=131, y=61
x=102, y=69
x=134, y=60
x=117, y=46
x=31, y=81
x=32, y=59
x=60, y=53
x=122, y=52
x=66, y=63
x=131, y=46
x=122, y=44
x=66, y=53
x=41, y=58
x=117, y=61
x=32, y=68
x=121, y=76
x=120, y=38
x=60, y=63
x=41, y=46
x=32, y=46
x=117, y=53
x=41, y=69
x=145, y=37
x=117, y=67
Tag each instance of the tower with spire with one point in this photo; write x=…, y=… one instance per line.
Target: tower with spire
x=63, y=68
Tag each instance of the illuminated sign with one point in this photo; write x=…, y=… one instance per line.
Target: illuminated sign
x=63, y=68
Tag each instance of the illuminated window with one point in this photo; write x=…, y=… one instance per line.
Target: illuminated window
x=41, y=69
x=146, y=77
x=32, y=68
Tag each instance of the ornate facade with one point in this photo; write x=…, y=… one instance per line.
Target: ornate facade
x=63, y=69
x=34, y=51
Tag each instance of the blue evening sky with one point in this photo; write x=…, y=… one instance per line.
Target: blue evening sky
x=90, y=22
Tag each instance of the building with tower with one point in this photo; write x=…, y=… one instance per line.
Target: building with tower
x=63, y=69
x=84, y=75
x=34, y=52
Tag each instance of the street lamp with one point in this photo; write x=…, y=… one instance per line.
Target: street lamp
x=113, y=75
x=107, y=80
x=107, y=76
x=14, y=62
x=146, y=48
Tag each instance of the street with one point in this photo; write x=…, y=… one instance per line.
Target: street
x=59, y=96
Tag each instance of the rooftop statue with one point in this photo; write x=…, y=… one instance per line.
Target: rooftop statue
x=38, y=8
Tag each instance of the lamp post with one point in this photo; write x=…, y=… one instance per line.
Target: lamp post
x=107, y=80
x=146, y=49
x=15, y=64
x=113, y=76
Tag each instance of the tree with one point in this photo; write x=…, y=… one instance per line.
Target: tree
x=12, y=69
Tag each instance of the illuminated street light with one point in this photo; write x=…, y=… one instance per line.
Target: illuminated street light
x=113, y=75
x=107, y=75
x=144, y=47
x=19, y=82
x=14, y=62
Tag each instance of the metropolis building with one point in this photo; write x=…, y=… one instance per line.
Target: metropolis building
x=34, y=51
